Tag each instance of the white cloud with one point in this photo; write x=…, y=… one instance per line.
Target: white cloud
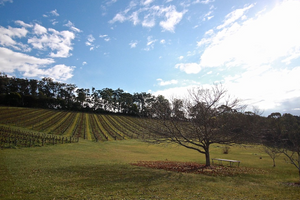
x=31, y=66
x=119, y=17
x=173, y=18
x=150, y=43
x=10, y=61
x=203, y=1
x=149, y=21
x=180, y=57
x=164, y=83
x=105, y=37
x=57, y=43
x=39, y=30
x=21, y=23
x=147, y=2
x=58, y=72
x=257, y=41
x=133, y=44
x=252, y=48
x=162, y=41
x=60, y=42
x=72, y=27
x=8, y=36
x=207, y=1
x=134, y=17
x=174, y=92
x=208, y=16
x=2, y=2
x=189, y=68
x=55, y=22
x=234, y=15
x=265, y=87
x=90, y=38
x=54, y=13
x=149, y=15
x=84, y=63
x=89, y=42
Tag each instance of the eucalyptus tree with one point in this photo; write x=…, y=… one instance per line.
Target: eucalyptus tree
x=143, y=102
x=107, y=98
x=117, y=99
x=126, y=103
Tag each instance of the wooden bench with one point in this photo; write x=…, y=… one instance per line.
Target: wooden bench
x=226, y=160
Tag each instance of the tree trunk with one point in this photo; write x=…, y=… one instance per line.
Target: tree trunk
x=274, y=162
x=207, y=157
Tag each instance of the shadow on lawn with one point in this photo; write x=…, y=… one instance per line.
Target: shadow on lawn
x=108, y=176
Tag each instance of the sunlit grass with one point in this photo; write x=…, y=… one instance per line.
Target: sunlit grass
x=90, y=170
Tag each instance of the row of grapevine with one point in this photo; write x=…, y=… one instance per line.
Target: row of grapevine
x=92, y=127
x=121, y=127
x=131, y=125
x=13, y=137
x=62, y=124
x=98, y=132
x=45, y=121
x=102, y=119
x=14, y=116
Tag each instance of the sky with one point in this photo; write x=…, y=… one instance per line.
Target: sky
x=251, y=47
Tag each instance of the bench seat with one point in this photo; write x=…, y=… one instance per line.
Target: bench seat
x=220, y=160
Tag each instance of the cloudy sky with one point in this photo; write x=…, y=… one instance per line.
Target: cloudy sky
x=163, y=47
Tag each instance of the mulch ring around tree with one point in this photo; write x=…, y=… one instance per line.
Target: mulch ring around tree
x=196, y=168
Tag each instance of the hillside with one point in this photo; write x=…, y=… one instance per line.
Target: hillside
x=63, y=124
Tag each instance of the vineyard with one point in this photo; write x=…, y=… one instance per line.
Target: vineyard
x=37, y=127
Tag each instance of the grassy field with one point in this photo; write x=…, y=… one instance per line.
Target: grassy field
x=90, y=170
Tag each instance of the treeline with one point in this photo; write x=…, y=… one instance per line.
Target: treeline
x=47, y=93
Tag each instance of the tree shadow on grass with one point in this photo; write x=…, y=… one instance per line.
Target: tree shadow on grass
x=105, y=180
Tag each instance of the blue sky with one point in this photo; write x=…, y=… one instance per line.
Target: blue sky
x=162, y=47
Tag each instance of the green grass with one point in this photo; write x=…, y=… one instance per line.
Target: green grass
x=89, y=170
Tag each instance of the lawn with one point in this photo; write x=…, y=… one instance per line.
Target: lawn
x=103, y=170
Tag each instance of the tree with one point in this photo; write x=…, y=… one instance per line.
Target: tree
x=291, y=139
x=271, y=139
x=107, y=98
x=283, y=135
x=143, y=100
x=273, y=152
x=208, y=116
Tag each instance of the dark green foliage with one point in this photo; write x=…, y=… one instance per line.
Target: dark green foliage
x=47, y=93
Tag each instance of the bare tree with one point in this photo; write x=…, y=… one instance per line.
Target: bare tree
x=283, y=135
x=290, y=138
x=208, y=116
x=273, y=152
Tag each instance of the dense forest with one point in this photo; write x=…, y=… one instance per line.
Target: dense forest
x=46, y=93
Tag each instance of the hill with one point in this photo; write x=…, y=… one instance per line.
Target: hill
x=111, y=170
x=18, y=123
